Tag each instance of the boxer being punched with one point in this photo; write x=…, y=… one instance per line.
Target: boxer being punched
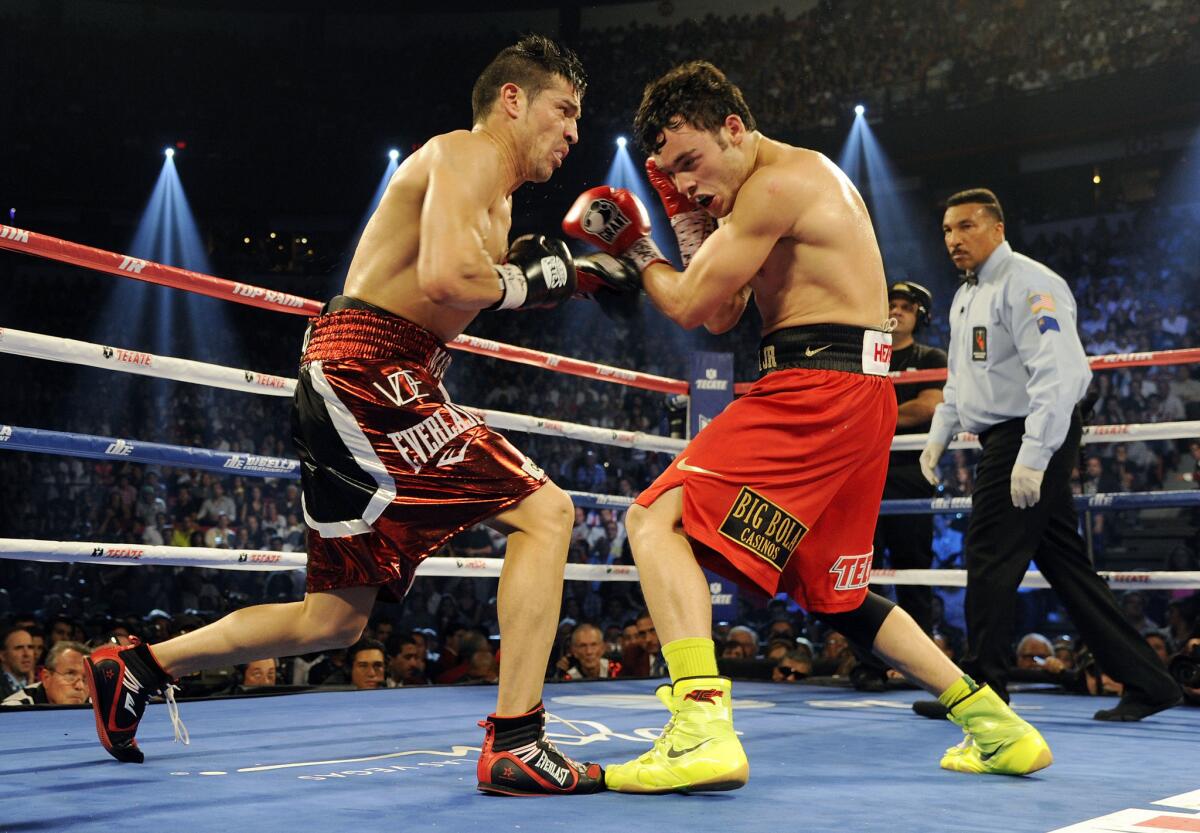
x=782, y=490
x=391, y=468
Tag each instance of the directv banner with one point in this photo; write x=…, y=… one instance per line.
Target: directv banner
x=13, y=438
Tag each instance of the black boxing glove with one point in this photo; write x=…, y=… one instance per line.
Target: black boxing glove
x=612, y=282
x=538, y=271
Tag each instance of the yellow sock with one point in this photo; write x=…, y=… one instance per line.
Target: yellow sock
x=961, y=688
x=691, y=657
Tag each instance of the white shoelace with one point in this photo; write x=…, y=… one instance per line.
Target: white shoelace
x=181, y=732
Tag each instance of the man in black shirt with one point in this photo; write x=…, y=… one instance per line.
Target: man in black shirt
x=908, y=539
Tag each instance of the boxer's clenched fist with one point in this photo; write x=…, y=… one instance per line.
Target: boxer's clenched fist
x=614, y=221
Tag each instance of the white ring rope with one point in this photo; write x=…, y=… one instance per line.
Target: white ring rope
x=36, y=345
x=124, y=555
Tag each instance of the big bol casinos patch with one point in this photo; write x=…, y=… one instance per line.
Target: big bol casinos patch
x=763, y=528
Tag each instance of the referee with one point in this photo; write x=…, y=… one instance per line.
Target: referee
x=1017, y=372
x=908, y=539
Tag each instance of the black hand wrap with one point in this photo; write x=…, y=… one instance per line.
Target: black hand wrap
x=538, y=272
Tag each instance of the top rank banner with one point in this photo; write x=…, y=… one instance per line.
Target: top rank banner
x=711, y=388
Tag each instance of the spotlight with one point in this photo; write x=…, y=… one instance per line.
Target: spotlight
x=393, y=154
x=169, y=153
x=859, y=109
x=621, y=141
x=1096, y=178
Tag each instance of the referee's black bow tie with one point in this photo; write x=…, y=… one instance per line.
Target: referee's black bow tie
x=970, y=277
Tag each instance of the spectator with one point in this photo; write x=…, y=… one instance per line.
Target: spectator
x=1034, y=651
x=836, y=658
x=61, y=682
x=793, y=667
x=745, y=636
x=481, y=668
x=217, y=505
x=367, y=662
x=260, y=673
x=406, y=666
x=586, y=660
x=16, y=662
x=222, y=535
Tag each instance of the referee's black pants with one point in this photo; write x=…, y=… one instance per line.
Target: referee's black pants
x=1001, y=541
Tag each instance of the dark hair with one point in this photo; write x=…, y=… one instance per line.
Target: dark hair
x=365, y=645
x=531, y=63
x=695, y=93
x=397, y=641
x=978, y=195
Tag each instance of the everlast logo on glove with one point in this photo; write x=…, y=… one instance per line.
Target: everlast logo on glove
x=763, y=528
x=555, y=271
x=604, y=220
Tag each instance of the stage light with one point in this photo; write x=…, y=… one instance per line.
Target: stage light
x=859, y=109
x=169, y=153
x=393, y=154
x=621, y=141
x=1096, y=179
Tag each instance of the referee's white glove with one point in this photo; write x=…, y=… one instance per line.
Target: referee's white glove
x=1026, y=486
x=929, y=460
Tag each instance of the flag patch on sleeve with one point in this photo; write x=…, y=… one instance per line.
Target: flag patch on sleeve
x=1046, y=323
x=1041, y=302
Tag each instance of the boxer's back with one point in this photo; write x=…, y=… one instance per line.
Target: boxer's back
x=827, y=269
x=384, y=269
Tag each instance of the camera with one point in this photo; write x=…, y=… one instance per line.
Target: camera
x=1185, y=667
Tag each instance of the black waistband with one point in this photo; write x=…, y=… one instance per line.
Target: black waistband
x=341, y=302
x=812, y=347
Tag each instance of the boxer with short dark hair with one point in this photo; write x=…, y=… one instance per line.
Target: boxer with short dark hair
x=391, y=468
x=782, y=490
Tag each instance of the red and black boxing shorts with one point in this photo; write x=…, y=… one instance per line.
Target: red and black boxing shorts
x=390, y=467
x=781, y=491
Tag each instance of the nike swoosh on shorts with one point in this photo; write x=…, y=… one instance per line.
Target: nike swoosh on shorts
x=682, y=465
x=809, y=352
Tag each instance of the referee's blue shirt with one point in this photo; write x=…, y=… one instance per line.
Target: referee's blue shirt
x=1014, y=353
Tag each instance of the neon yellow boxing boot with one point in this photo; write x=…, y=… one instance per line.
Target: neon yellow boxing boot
x=698, y=750
x=996, y=740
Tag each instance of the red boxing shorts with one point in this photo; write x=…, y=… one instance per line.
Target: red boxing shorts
x=390, y=467
x=782, y=489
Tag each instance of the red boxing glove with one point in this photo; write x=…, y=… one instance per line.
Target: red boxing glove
x=691, y=223
x=614, y=221
x=673, y=200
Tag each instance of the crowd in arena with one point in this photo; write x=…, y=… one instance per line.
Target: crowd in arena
x=1130, y=274
x=898, y=59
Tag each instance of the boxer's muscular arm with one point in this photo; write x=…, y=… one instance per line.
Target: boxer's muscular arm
x=454, y=267
x=711, y=289
x=729, y=313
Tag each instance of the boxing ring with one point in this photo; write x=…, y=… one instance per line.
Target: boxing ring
x=822, y=758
